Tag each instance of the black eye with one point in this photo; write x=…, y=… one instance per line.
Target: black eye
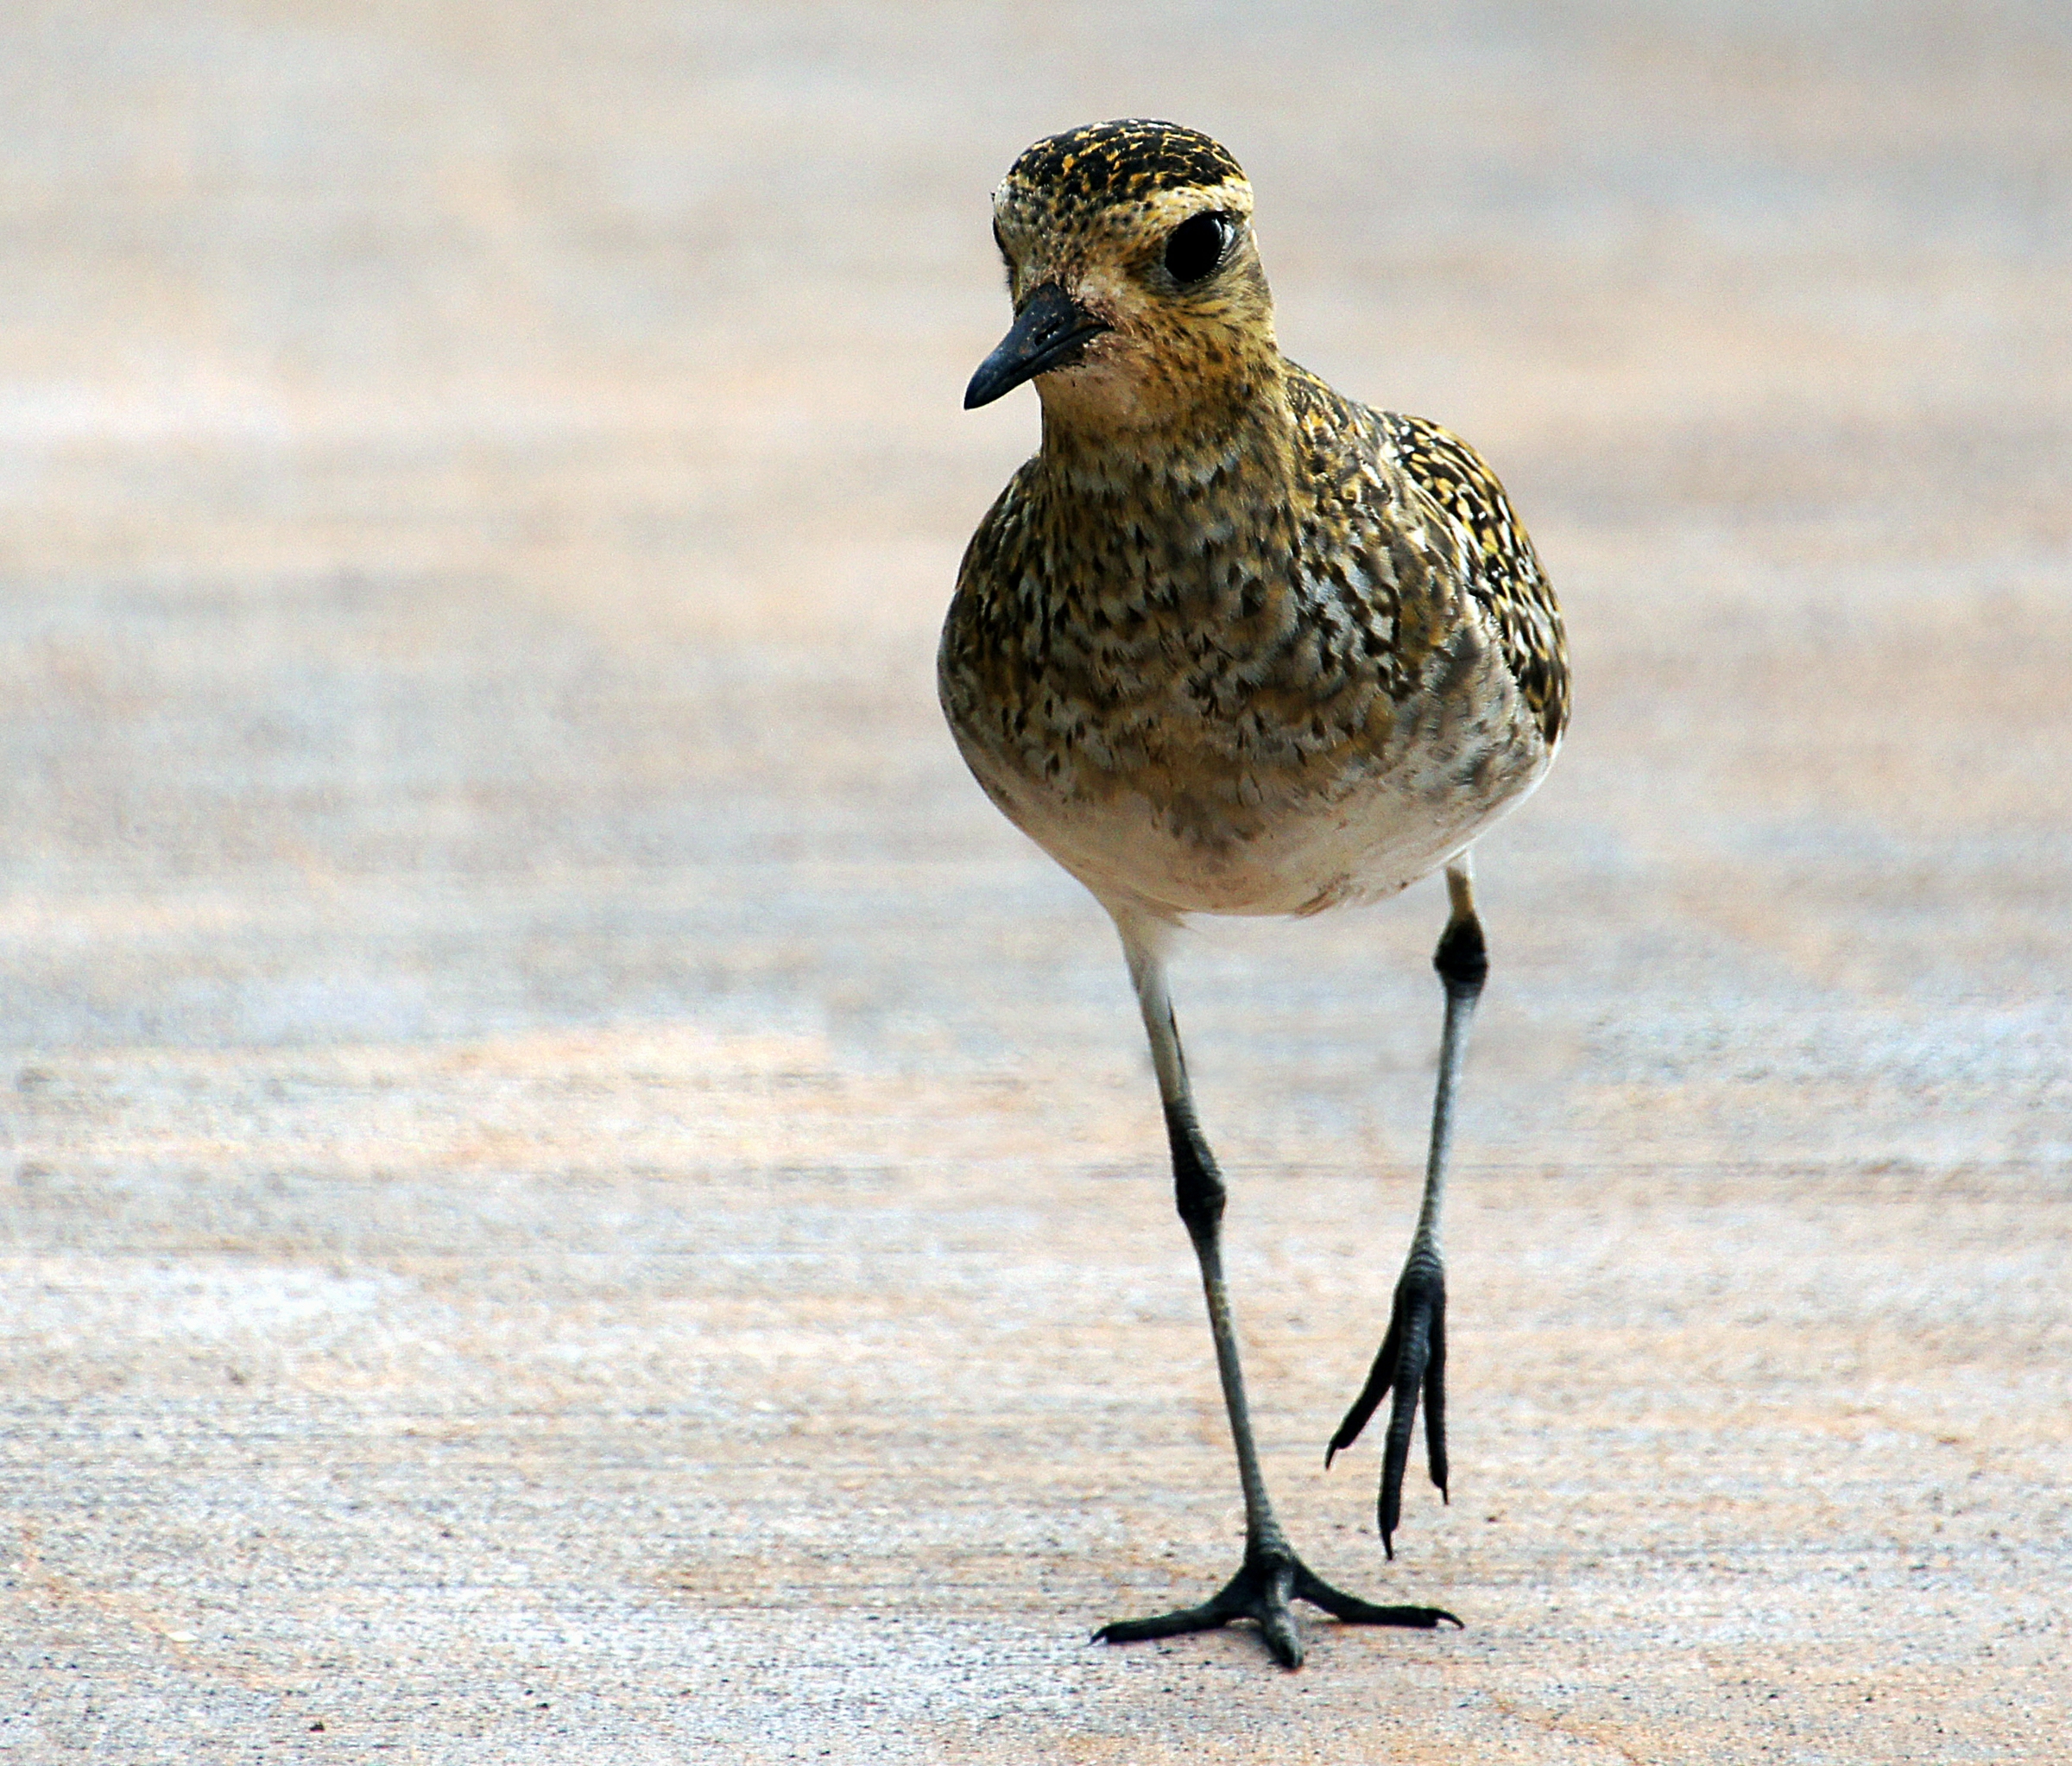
x=1195, y=248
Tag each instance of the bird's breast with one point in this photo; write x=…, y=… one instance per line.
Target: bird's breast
x=1218, y=730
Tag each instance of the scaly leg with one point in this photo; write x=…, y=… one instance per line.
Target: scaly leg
x=1271, y=1576
x=1412, y=1358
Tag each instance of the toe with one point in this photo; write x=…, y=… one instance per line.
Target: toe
x=1379, y=1377
x=1435, y=1396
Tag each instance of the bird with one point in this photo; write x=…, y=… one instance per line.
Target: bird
x=1230, y=642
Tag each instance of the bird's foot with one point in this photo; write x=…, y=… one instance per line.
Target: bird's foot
x=1270, y=1579
x=1411, y=1361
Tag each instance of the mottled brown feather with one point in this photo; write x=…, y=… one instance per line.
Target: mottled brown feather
x=1256, y=614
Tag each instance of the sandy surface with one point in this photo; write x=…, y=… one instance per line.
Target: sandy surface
x=569, y=1193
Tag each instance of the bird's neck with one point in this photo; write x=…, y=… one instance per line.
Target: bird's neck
x=1235, y=432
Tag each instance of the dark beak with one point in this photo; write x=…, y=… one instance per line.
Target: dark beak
x=1049, y=331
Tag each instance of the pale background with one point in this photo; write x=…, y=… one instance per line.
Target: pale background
x=572, y=1193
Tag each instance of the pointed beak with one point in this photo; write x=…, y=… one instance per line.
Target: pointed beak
x=1049, y=331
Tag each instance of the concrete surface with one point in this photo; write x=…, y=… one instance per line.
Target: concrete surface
x=571, y=1194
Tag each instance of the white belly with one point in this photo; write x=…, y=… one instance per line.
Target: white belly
x=1214, y=852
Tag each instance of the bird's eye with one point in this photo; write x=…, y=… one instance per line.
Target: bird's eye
x=1195, y=247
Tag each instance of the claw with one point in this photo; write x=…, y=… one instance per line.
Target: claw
x=1411, y=1363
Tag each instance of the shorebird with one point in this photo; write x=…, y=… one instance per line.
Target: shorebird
x=1232, y=643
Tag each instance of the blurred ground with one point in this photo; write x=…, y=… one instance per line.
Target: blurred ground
x=569, y=1193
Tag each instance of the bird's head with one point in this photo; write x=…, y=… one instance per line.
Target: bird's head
x=1137, y=287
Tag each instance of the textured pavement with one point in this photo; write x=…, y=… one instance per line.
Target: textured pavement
x=569, y=1191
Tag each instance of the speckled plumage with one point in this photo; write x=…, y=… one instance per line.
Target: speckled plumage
x=1106, y=163
x=1268, y=651
x=1232, y=643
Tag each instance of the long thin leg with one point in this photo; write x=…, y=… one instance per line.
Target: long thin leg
x=1271, y=1575
x=1413, y=1357
x=1198, y=1194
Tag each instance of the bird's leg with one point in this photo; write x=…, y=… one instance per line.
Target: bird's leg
x=1271, y=1576
x=1412, y=1358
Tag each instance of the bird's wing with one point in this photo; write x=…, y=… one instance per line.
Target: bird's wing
x=1504, y=572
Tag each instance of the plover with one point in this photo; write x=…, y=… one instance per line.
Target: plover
x=1232, y=643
